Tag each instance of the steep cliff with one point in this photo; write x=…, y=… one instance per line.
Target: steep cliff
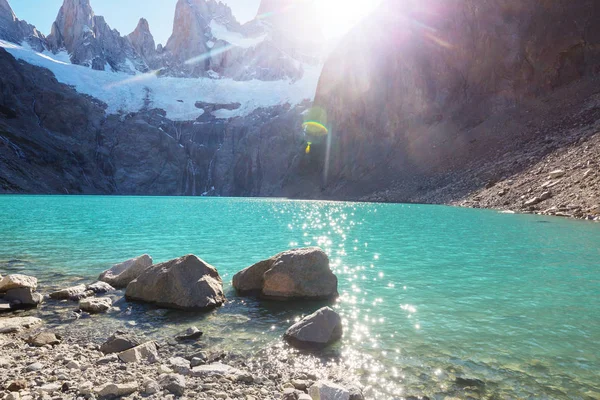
x=90, y=41
x=16, y=31
x=416, y=92
x=143, y=43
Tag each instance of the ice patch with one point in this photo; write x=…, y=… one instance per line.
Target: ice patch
x=123, y=92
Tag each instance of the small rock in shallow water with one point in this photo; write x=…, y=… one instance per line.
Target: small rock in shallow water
x=96, y=305
x=71, y=293
x=191, y=333
x=120, y=341
x=317, y=330
x=100, y=287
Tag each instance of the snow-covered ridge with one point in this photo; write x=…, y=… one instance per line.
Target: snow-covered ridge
x=221, y=32
x=123, y=92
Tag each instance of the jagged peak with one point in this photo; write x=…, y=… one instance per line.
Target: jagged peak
x=6, y=10
x=142, y=26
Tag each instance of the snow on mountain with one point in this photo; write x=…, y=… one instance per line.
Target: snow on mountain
x=123, y=92
x=220, y=32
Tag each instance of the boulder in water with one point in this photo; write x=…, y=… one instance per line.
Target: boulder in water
x=120, y=275
x=95, y=305
x=23, y=297
x=74, y=293
x=293, y=274
x=317, y=330
x=186, y=283
x=100, y=287
x=17, y=281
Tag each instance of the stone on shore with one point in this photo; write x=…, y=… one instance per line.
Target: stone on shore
x=559, y=173
x=23, y=297
x=293, y=274
x=43, y=339
x=317, y=330
x=74, y=293
x=95, y=305
x=186, y=283
x=146, y=352
x=110, y=390
x=119, y=342
x=174, y=383
x=120, y=275
x=221, y=370
x=18, y=324
x=17, y=281
x=324, y=390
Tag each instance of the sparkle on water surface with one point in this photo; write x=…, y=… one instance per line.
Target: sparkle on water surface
x=428, y=294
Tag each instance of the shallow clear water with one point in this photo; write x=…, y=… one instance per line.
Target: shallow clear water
x=429, y=293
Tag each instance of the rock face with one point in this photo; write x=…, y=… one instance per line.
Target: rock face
x=405, y=101
x=293, y=274
x=143, y=43
x=90, y=41
x=317, y=330
x=120, y=275
x=16, y=31
x=186, y=283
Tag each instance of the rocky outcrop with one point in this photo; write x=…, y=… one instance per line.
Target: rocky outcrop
x=293, y=274
x=18, y=291
x=318, y=330
x=186, y=283
x=120, y=275
x=410, y=91
x=143, y=43
x=16, y=31
x=90, y=41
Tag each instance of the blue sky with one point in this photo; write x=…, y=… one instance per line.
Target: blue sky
x=123, y=15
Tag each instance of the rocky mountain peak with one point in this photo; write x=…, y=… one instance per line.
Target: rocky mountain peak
x=16, y=31
x=6, y=11
x=143, y=42
x=74, y=20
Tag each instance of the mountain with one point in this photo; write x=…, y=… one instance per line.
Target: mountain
x=90, y=41
x=14, y=30
x=143, y=43
x=419, y=96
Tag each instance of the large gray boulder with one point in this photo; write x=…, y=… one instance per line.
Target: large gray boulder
x=293, y=274
x=17, y=281
x=74, y=293
x=186, y=283
x=96, y=305
x=23, y=297
x=325, y=390
x=120, y=341
x=120, y=275
x=18, y=324
x=317, y=330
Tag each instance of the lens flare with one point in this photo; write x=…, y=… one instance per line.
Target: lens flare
x=315, y=128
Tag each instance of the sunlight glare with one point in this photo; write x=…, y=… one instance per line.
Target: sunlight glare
x=339, y=16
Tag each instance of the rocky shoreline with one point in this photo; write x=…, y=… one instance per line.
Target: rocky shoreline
x=45, y=362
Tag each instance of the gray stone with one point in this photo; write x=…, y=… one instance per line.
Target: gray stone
x=35, y=367
x=71, y=293
x=317, y=330
x=117, y=390
x=23, y=297
x=43, y=339
x=191, y=333
x=293, y=274
x=558, y=173
x=151, y=387
x=120, y=275
x=119, y=342
x=186, y=283
x=324, y=390
x=18, y=324
x=146, y=352
x=180, y=365
x=17, y=281
x=100, y=287
x=95, y=305
x=174, y=383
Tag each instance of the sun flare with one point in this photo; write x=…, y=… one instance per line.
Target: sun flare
x=339, y=16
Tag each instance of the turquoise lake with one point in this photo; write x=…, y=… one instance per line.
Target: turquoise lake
x=428, y=293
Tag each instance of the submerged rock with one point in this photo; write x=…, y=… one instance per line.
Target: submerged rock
x=293, y=274
x=17, y=281
x=186, y=283
x=95, y=305
x=120, y=275
x=18, y=324
x=317, y=330
x=191, y=333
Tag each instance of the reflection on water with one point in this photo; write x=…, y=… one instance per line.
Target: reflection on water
x=435, y=301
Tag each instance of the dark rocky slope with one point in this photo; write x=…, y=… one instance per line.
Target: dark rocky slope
x=425, y=96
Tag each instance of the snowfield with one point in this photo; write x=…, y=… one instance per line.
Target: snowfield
x=177, y=96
